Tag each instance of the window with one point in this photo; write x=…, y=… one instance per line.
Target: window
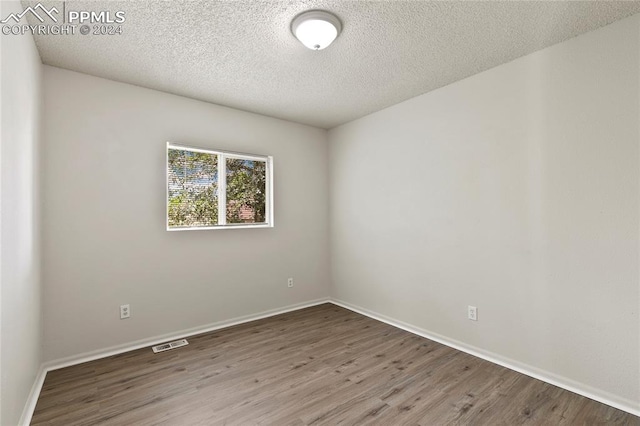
x=216, y=189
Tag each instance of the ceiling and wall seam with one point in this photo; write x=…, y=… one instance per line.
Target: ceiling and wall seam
x=244, y=56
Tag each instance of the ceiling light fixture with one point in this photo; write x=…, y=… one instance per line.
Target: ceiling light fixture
x=316, y=29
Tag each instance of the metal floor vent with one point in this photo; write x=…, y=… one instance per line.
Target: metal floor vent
x=171, y=345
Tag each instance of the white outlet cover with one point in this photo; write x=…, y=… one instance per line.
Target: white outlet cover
x=472, y=313
x=125, y=311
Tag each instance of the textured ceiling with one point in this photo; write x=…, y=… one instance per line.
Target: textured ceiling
x=242, y=54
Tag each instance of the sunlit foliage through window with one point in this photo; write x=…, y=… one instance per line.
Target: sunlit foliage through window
x=197, y=196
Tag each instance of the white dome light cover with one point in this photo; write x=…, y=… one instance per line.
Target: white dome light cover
x=316, y=29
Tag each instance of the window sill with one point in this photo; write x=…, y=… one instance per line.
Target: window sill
x=208, y=228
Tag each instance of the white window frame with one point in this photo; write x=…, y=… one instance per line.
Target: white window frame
x=222, y=188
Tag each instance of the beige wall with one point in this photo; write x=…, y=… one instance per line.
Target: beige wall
x=105, y=242
x=20, y=341
x=515, y=190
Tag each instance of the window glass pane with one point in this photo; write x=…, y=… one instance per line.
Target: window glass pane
x=246, y=190
x=193, y=186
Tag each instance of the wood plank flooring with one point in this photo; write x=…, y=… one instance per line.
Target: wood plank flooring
x=323, y=365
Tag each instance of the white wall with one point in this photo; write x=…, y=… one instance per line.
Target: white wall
x=20, y=331
x=104, y=240
x=515, y=190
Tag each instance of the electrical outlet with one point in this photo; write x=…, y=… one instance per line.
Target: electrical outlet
x=290, y=282
x=472, y=313
x=125, y=311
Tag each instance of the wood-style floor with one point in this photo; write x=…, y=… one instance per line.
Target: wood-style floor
x=318, y=366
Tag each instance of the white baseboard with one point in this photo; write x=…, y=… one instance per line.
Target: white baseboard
x=562, y=382
x=571, y=385
x=30, y=406
x=143, y=343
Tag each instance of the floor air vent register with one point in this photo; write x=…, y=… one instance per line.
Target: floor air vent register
x=171, y=345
